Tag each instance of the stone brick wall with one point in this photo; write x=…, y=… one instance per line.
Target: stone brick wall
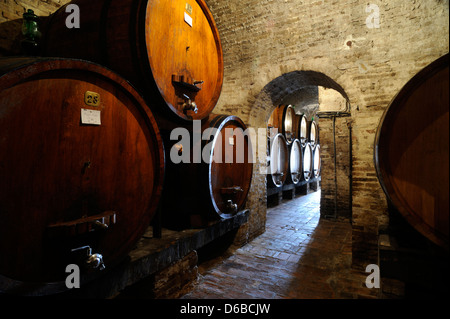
x=335, y=198
x=335, y=153
x=172, y=282
x=264, y=41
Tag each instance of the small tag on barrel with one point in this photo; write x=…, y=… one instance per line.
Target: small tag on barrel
x=188, y=19
x=90, y=117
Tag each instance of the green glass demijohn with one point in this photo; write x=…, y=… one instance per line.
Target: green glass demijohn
x=31, y=32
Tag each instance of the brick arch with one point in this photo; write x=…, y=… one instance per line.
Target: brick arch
x=270, y=96
x=287, y=84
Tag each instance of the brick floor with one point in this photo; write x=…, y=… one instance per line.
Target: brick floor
x=300, y=256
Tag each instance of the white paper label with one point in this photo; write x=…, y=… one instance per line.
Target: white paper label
x=188, y=19
x=91, y=117
x=231, y=140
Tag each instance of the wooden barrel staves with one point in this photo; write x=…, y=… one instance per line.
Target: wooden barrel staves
x=302, y=129
x=295, y=173
x=412, y=152
x=283, y=118
x=81, y=166
x=169, y=50
x=317, y=161
x=279, y=161
x=307, y=162
x=210, y=172
x=313, y=133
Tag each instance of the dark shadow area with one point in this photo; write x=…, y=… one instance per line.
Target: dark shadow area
x=219, y=249
x=412, y=267
x=11, y=37
x=297, y=80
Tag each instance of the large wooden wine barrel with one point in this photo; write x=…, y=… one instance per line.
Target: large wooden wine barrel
x=295, y=173
x=302, y=128
x=169, y=50
x=209, y=171
x=412, y=152
x=279, y=161
x=313, y=133
x=81, y=164
x=317, y=164
x=283, y=118
x=308, y=162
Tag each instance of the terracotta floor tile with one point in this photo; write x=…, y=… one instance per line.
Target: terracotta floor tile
x=300, y=256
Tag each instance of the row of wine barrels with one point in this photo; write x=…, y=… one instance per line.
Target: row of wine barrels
x=291, y=164
x=317, y=162
x=295, y=163
x=210, y=177
x=302, y=125
x=294, y=126
x=101, y=159
x=304, y=162
x=412, y=152
x=170, y=50
x=283, y=119
x=308, y=165
x=81, y=166
x=311, y=162
x=279, y=161
x=313, y=133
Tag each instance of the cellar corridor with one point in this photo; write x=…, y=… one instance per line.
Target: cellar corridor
x=300, y=256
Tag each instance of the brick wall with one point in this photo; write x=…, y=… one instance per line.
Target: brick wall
x=335, y=152
x=13, y=9
x=335, y=198
x=266, y=40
